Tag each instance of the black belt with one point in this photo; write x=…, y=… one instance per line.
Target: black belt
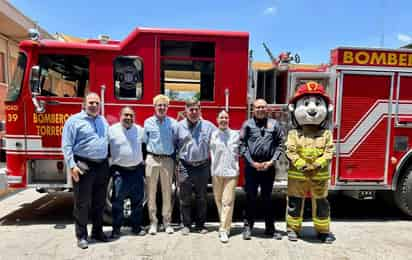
x=125, y=168
x=159, y=155
x=89, y=160
x=195, y=163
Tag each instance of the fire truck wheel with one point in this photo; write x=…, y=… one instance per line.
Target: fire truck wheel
x=403, y=193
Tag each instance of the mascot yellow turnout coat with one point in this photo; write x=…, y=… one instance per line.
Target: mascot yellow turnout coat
x=310, y=150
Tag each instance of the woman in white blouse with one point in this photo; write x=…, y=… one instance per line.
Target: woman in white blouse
x=224, y=149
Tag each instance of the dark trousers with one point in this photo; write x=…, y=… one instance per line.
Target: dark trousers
x=128, y=184
x=90, y=195
x=193, y=178
x=254, y=179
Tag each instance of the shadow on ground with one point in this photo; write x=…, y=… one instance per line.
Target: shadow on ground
x=56, y=208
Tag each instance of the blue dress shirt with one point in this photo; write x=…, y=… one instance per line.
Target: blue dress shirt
x=85, y=136
x=159, y=135
x=193, y=141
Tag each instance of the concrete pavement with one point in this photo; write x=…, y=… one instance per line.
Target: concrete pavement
x=27, y=228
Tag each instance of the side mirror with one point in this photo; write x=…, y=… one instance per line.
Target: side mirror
x=35, y=88
x=35, y=80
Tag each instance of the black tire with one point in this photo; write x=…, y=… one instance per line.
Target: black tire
x=403, y=193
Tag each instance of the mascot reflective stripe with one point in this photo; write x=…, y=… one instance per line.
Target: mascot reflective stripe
x=310, y=150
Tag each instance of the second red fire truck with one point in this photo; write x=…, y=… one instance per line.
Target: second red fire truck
x=371, y=90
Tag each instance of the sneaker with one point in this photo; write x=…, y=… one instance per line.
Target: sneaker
x=292, y=236
x=169, y=229
x=82, y=243
x=185, y=231
x=223, y=237
x=153, y=229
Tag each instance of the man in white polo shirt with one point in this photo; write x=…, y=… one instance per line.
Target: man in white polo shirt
x=127, y=168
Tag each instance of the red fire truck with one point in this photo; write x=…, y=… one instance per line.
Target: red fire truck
x=371, y=89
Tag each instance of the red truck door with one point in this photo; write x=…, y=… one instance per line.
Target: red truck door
x=363, y=135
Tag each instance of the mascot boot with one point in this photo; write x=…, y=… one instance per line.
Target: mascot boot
x=310, y=150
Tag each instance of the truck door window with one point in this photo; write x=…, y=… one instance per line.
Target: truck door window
x=64, y=75
x=16, y=83
x=188, y=70
x=128, y=78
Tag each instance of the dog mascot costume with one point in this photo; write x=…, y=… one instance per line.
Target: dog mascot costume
x=310, y=150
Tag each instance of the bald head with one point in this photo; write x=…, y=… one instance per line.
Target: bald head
x=260, y=108
x=92, y=104
x=260, y=101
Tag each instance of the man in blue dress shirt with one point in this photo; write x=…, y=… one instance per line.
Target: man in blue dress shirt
x=159, y=138
x=85, y=149
x=193, y=137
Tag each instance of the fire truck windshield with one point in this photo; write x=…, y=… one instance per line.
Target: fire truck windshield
x=63, y=75
x=17, y=80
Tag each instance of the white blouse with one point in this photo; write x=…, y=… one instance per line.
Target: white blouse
x=224, y=152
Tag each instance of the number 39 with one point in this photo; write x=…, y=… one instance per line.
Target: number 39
x=12, y=117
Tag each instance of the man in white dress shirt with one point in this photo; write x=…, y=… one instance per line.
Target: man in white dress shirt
x=127, y=168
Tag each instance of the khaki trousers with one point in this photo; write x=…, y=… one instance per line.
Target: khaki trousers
x=163, y=168
x=224, y=193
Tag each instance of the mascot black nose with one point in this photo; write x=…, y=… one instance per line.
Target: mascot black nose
x=312, y=113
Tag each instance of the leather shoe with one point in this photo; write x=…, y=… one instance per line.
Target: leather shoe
x=138, y=232
x=269, y=232
x=247, y=233
x=326, y=238
x=277, y=235
x=100, y=236
x=116, y=234
x=82, y=243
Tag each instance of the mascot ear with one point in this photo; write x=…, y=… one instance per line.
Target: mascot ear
x=291, y=107
x=330, y=108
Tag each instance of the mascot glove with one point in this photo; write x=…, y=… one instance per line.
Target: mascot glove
x=300, y=163
x=322, y=162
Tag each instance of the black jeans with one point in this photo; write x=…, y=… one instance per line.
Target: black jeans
x=254, y=179
x=193, y=178
x=90, y=195
x=128, y=184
